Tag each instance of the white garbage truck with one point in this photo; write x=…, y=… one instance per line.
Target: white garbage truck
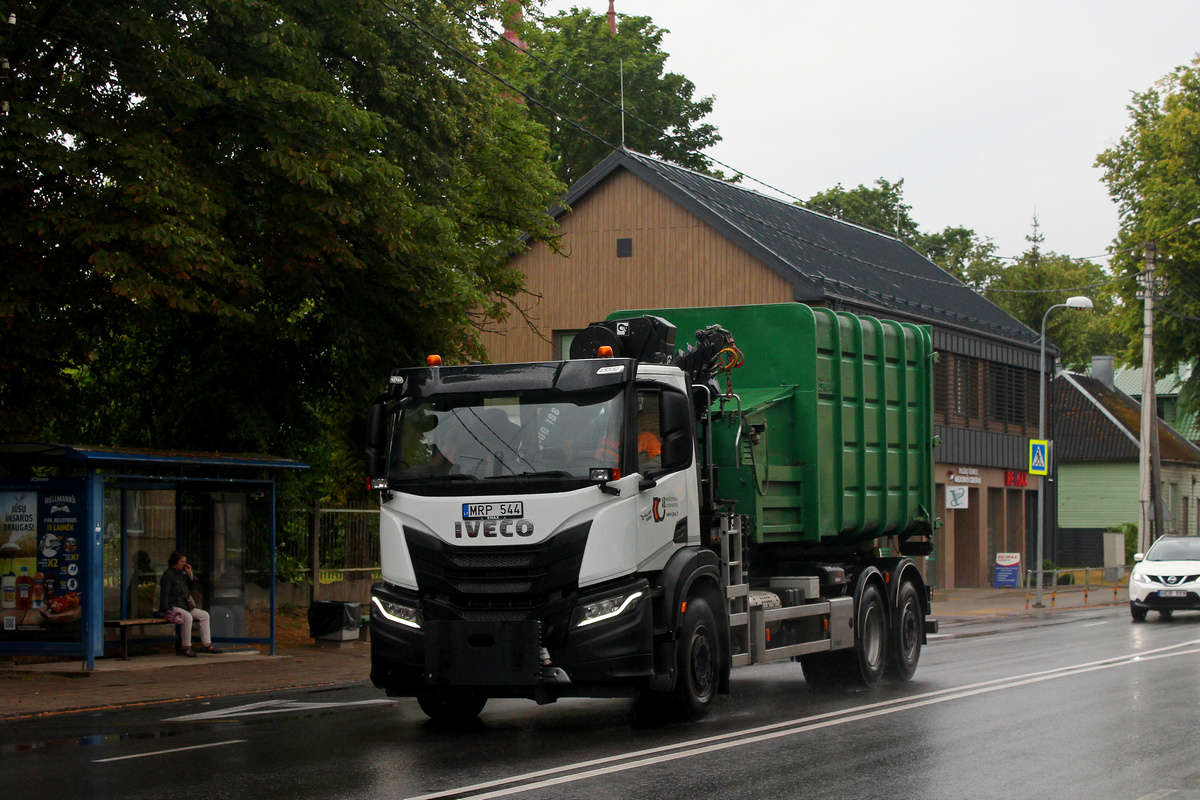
x=637, y=520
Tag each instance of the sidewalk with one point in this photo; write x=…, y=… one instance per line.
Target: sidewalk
x=28, y=691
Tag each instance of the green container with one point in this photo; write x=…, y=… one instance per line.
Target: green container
x=835, y=441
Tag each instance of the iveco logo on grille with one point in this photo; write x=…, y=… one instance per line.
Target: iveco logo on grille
x=492, y=528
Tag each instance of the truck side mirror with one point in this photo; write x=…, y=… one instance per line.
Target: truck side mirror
x=376, y=441
x=676, y=427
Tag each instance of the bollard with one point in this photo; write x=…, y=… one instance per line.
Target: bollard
x=1054, y=591
x=1087, y=583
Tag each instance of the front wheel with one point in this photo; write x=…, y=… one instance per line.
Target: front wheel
x=698, y=667
x=1137, y=612
x=907, y=628
x=453, y=708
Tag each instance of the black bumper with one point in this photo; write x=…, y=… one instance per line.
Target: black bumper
x=1153, y=602
x=502, y=658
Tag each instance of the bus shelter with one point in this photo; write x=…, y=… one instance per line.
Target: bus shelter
x=85, y=534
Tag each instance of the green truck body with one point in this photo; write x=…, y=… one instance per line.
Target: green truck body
x=834, y=448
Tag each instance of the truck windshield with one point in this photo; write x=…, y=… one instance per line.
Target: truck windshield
x=543, y=434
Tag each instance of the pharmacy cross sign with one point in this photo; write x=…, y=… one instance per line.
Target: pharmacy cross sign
x=1037, y=456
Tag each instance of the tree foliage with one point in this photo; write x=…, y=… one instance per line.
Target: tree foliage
x=226, y=221
x=1037, y=280
x=1153, y=175
x=579, y=44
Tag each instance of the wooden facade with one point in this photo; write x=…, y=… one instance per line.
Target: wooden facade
x=676, y=260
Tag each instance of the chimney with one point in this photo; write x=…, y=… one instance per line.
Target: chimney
x=1102, y=370
x=612, y=18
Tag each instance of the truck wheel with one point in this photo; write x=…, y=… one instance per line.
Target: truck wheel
x=452, y=708
x=908, y=624
x=698, y=669
x=870, y=635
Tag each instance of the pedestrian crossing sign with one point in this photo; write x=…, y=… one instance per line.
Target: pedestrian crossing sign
x=1037, y=456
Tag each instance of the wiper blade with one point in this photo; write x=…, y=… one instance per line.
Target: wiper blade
x=550, y=473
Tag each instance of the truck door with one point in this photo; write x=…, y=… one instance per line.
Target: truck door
x=668, y=506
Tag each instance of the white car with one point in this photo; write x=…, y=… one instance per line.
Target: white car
x=1166, y=578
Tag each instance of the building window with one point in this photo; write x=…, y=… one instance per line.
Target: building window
x=624, y=248
x=985, y=395
x=562, y=344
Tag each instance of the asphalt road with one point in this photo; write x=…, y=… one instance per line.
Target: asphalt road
x=1084, y=705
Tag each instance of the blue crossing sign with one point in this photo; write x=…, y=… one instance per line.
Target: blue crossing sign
x=1038, y=461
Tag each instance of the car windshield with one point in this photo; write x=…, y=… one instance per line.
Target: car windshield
x=536, y=434
x=1175, y=550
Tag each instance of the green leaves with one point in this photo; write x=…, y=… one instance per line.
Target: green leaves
x=1153, y=175
x=232, y=219
x=663, y=117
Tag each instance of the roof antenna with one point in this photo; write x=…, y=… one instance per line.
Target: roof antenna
x=622, y=104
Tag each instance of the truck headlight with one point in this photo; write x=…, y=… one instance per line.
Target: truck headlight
x=607, y=609
x=400, y=614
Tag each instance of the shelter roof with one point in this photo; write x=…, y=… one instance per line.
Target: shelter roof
x=43, y=453
x=826, y=260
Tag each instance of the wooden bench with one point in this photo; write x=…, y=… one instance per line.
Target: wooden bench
x=125, y=624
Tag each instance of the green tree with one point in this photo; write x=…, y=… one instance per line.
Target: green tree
x=1153, y=175
x=226, y=221
x=578, y=43
x=1038, y=280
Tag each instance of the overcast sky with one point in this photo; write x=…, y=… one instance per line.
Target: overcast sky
x=990, y=112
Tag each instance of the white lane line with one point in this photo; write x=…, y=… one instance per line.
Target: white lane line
x=172, y=750
x=657, y=755
x=1094, y=624
x=1159, y=795
x=274, y=707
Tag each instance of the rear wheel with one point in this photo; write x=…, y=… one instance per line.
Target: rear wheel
x=870, y=635
x=907, y=628
x=1165, y=613
x=452, y=707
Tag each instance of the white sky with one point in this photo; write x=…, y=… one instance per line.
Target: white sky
x=990, y=112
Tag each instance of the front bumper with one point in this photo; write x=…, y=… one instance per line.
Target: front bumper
x=1152, y=598
x=504, y=657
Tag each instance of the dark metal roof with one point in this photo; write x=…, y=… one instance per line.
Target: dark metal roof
x=1092, y=422
x=826, y=260
x=42, y=453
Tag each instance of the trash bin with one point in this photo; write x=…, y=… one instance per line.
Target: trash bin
x=333, y=619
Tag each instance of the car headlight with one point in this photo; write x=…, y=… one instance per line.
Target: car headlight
x=1141, y=577
x=398, y=613
x=607, y=608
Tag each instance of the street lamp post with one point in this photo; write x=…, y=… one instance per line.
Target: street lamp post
x=1079, y=301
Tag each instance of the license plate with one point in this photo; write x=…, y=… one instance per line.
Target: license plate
x=503, y=510
x=1172, y=593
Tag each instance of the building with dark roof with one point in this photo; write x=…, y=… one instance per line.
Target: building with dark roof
x=1097, y=431
x=637, y=232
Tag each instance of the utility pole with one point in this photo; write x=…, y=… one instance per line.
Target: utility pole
x=1148, y=491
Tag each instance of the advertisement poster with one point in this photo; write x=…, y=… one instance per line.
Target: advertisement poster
x=41, y=564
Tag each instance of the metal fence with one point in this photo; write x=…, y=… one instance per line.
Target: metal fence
x=346, y=544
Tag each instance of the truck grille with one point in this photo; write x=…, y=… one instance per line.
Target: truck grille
x=495, y=583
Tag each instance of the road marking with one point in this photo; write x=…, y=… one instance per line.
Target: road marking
x=1159, y=795
x=165, y=752
x=273, y=707
x=1094, y=624
x=584, y=770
